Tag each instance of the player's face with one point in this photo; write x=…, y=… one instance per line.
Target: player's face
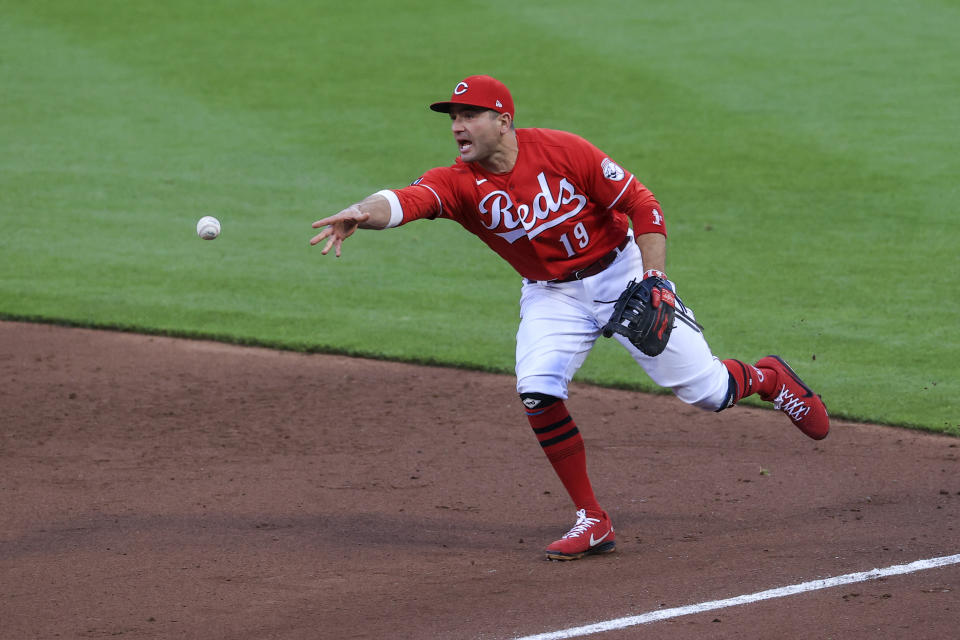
x=477, y=132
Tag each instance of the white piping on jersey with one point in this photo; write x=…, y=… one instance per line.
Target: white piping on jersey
x=396, y=214
x=396, y=211
x=439, y=201
x=620, y=195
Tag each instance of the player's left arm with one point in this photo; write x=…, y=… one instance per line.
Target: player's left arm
x=649, y=228
x=653, y=247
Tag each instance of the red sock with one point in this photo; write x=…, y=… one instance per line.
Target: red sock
x=749, y=379
x=561, y=441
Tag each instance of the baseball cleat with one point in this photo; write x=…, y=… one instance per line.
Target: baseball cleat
x=796, y=399
x=593, y=533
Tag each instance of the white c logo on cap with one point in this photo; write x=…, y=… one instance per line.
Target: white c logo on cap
x=461, y=88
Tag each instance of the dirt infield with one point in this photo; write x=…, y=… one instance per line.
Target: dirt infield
x=161, y=488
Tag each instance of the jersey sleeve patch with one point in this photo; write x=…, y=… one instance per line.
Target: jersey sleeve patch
x=611, y=170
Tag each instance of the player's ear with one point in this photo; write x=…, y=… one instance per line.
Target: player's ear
x=506, y=122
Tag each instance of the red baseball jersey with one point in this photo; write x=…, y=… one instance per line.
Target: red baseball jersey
x=563, y=206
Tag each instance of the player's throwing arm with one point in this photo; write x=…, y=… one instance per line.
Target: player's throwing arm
x=372, y=213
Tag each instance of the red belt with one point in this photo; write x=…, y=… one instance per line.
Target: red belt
x=598, y=266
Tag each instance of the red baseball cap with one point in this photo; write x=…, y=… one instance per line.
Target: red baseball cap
x=479, y=91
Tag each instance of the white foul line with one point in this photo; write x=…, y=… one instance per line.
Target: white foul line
x=813, y=585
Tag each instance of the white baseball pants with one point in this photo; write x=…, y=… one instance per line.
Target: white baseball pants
x=560, y=322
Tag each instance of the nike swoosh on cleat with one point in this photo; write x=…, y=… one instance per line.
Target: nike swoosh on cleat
x=793, y=374
x=593, y=542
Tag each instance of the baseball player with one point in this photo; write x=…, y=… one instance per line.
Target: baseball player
x=580, y=230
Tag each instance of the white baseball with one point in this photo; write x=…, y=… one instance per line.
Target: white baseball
x=208, y=227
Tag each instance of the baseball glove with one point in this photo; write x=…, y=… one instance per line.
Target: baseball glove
x=644, y=315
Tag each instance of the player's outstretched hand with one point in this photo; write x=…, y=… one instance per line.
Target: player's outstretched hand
x=339, y=227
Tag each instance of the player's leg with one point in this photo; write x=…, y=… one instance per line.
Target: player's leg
x=686, y=366
x=560, y=439
x=696, y=376
x=555, y=335
x=776, y=382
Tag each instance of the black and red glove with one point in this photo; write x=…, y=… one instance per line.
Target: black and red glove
x=644, y=313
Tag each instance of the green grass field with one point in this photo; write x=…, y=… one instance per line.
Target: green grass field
x=805, y=154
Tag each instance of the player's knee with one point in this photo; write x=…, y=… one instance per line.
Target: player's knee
x=534, y=401
x=549, y=383
x=730, y=398
x=712, y=393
